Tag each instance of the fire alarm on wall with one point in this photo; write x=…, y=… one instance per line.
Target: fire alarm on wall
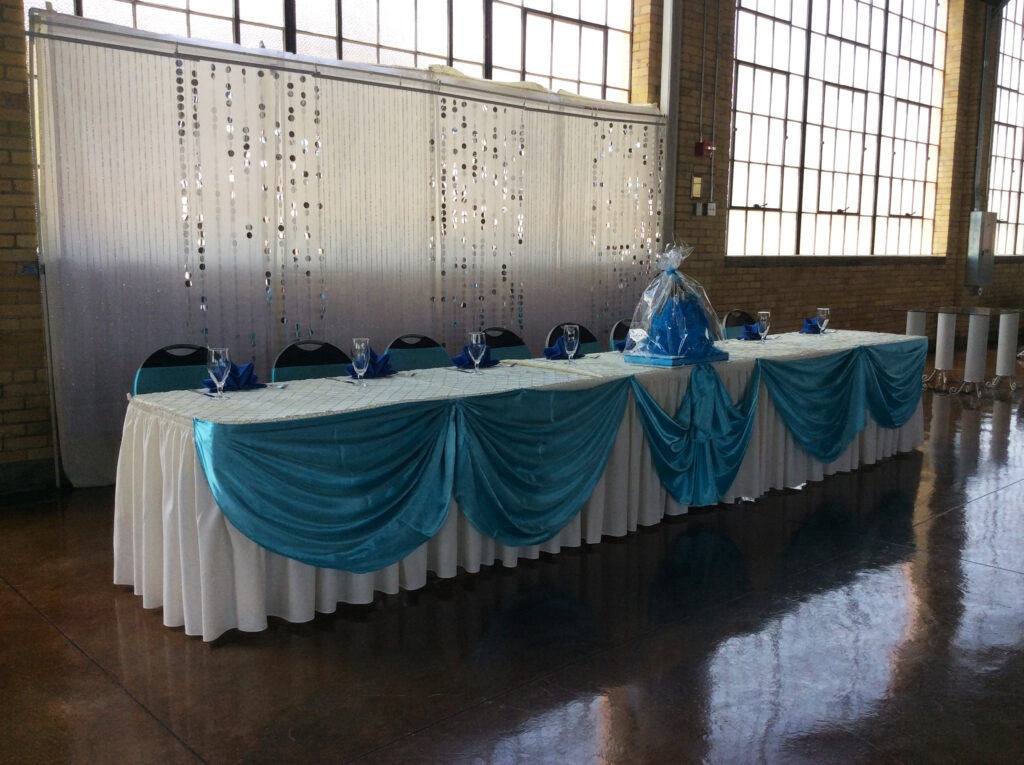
x=703, y=149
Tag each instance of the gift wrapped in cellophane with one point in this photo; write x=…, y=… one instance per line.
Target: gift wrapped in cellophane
x=674, y=323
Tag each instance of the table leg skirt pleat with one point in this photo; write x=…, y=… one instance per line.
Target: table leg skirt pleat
x=209, y=578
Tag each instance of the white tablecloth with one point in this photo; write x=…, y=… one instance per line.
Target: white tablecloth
x=175, y=547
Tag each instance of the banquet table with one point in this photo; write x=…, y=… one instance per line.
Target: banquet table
x=175, y=546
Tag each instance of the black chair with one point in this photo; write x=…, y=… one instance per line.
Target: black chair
x=588, y=342
x=173, y=367
x=417, y=352
x=620, y=331
x=732, y=323
x=506, y=344
x=306, y=359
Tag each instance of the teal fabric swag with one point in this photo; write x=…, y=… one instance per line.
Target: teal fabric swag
x=698, y=452
x=527, y=460
x=823, y=400
x=355, y=491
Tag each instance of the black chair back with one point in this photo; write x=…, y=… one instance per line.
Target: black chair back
x=506, y=344
x=173, y=367
x=308, y=359
x=619, y=331
x=732, y=323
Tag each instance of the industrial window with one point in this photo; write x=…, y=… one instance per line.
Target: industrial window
x=836, y=112
x=582, y=46
x=1005, y=171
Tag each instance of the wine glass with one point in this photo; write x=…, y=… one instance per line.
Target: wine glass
x=218, y=364
x=571, y=336
x=764, y=321
x=360, y=357
x=823, y=318
x=477, y=346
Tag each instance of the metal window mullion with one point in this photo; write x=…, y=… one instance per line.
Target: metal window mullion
x=878, y=133
x=236, y=22
x=289, y=26
x=451, y=33
x=488, y=39
x=803, y=134
x=340, y=36
x=522, y=46
x=604, y=72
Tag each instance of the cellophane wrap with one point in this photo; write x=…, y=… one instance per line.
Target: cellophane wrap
x=674, y=317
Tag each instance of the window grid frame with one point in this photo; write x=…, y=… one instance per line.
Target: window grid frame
x=922, y=183
x=1009, y=231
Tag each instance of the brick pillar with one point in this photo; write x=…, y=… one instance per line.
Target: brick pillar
x=646, y=74
x=26, y=448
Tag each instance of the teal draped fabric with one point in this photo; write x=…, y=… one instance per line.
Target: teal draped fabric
x=823, y=400
x=528, y=460
x=698, y=452
x=355, y=491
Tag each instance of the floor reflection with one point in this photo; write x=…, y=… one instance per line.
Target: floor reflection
x=877, y=615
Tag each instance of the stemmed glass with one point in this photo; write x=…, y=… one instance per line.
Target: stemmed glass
x=218, y=364
x=571, y=335
x=823, y=318
x=360, y=357
x=477, y=346
x=764, y=321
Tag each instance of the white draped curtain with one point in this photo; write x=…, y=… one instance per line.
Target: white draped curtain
x=214, y=195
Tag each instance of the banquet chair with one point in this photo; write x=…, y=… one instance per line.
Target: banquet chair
x=173, y=367
x=732, y=323
x=506, y=344
x=588, y=342
x=620, y=331
x=306, y=359
x=417, y=352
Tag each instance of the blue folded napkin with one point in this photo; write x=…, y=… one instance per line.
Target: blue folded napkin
x=810, y=327
x=378, y=366
x=465, y=361
x=239, y=378
x=557, y=351
x=620, y=346
x=750, y=332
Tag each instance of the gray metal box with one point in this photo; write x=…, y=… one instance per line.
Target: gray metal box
x=981, y=239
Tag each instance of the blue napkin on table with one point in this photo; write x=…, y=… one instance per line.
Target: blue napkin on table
x=239, y=378
x=465, y=361
x=378, y=366
x=810, y=327
x=620, y=346
x=557, y=351
x=750, y=332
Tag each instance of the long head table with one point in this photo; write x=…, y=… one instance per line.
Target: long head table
x=175, y=546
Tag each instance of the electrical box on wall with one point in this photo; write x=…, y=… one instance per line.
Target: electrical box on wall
x=703, y=149
x=981, y=239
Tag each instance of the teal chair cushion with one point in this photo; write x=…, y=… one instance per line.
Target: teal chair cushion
x=307, y=372
x=511, y=352
x=159, y=379
x=403, y=359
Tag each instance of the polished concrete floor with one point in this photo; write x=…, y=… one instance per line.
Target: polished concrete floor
x=877, y=616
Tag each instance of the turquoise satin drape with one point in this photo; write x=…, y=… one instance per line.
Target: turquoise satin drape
x=360, y=491
x=356, y=491
x=698, y=452
x=526, y=461
x=823, y=400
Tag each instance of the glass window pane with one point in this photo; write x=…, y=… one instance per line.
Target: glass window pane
x=397, y=58
x=471, y=69
x=251, y=36
x=570, y=8
x=109, y=10
x=538, y=45
x=618, y=59
x=432, y=27
x=398, y=24
x=468, y=30
x=209, y=28
x=540, y=5
x=161, y=20
x=619, y=14
x=592, y=11
x=364, y=54
x=507, y=75
x=213, y=7
x=262, y=11
x=506, y=36
x=317, y=16
x=620, y=96
x=590, y=91
x=312, y=45
x=591, y=55
x=566, y=51
x=359, y=21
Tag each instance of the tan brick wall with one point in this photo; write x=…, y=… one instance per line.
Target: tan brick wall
x=26, y=448
x=647, y=31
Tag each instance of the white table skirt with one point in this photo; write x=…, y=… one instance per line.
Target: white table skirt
x=179, y=552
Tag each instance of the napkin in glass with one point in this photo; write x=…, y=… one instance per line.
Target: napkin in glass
x=239, y=378
x=750, y=332
x=465, y=361
x=557, y=351
x=810, y=327
x=378, y=366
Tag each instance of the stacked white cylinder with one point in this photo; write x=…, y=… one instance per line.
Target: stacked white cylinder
x=1006, y=351
x=977, y=345
x=944, y=337
x=916, y=322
